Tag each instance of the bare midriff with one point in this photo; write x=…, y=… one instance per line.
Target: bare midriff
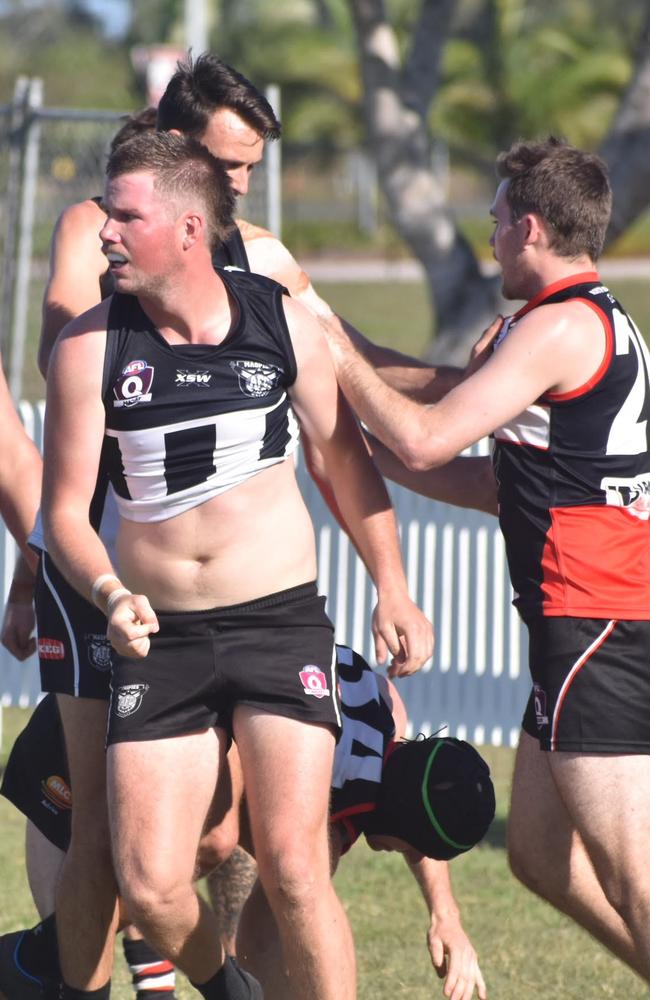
x=254, y=540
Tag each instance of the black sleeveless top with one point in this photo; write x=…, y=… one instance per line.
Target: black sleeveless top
x=187, y=422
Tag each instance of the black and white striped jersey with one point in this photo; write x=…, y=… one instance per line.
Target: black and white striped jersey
x=187, y=422
x=368, y=728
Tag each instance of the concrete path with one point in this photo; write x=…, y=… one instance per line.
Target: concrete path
x=351, y=269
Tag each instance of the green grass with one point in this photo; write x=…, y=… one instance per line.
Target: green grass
x=527, y=951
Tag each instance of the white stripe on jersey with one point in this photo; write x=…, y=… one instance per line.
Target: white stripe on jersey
x=530, y=427
x=235, y=457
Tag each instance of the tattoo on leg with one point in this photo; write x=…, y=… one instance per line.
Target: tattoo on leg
x=229, y=886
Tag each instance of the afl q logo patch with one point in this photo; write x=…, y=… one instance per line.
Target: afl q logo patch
x=129, y=698
x=134, y=384
x=314, y=681
x=255, y=378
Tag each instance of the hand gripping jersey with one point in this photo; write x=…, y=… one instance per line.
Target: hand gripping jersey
x=187, y=422
x=368, y=729
x=573, y=475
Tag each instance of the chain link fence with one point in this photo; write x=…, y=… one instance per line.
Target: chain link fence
x=49, y=159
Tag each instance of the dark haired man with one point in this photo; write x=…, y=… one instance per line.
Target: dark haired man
x=565, y=395
x=193, y=471
x=428, y=799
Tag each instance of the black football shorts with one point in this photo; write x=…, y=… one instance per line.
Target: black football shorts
x=275, y=654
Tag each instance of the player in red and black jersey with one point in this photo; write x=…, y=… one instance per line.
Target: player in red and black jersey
x=565, y=394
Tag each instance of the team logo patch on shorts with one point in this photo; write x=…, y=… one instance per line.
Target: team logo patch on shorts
x=99, y=652
x=129, y=698
x=314, y=681
x=51, y=649
x=57, y=791
x=541, y=707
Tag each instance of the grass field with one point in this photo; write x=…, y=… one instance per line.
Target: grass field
x=527, y=951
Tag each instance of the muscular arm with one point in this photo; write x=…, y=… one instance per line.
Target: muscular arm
x=74, y=429
x=359, y=492
x=466, y=481
x=76, y=267
x=554, y=348
x=268, y=255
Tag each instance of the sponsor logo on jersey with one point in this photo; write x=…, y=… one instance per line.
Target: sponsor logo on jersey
x=256, y=378
x=202, y=379
x=633, y=493
x=541, y=708
x=134, y=384
x=51, y=649
x=314, y=681
x=128, y=699
x=57, y=791
x=99, y=652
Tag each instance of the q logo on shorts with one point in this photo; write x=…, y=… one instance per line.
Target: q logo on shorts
x=314, y=681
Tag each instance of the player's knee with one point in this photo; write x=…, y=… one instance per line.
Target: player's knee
x=148, y=901
x=216, y=846
x=292, y=880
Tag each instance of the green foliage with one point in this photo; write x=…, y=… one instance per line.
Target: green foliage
x=513, y=68
x=79, y=68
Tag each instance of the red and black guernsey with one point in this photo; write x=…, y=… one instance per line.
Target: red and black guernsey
x=187, y=422
x=573, y=475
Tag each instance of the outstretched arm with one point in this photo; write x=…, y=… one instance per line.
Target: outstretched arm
x=412, y=376
x=553, y=348
x=452, y=953
x=466, y=481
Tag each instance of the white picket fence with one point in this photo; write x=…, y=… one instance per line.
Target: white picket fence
x=476, y=684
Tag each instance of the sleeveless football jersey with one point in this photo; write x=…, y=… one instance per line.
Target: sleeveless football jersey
x=367, y=732
x=231, y=253
x=573, y=476
x=187, y=422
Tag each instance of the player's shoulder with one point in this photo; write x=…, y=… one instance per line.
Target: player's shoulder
x=92, y=321
x=82, y=215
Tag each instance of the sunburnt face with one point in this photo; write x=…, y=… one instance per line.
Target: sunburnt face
x=140, y=235
x=236, y=144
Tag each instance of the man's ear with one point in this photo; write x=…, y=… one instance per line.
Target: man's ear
x=534, y=229
x=192, y=229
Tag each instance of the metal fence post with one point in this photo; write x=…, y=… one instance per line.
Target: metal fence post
x=274, y=170
x=12, y=201
x=23, y=265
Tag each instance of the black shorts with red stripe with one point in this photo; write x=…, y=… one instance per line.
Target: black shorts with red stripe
x=591, y=685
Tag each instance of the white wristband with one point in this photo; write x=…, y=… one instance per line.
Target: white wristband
x=113, y=597
x=99, y=583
